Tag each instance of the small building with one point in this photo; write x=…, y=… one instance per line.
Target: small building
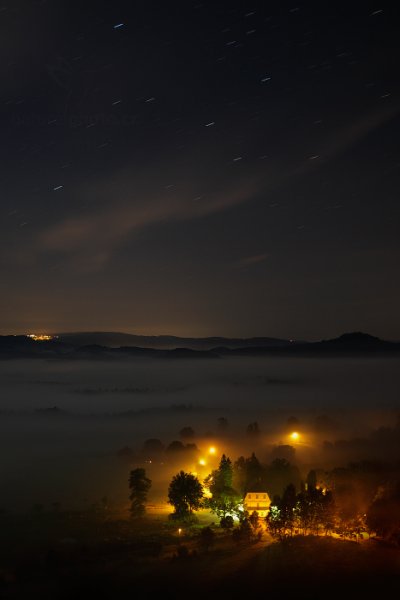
x=257, y=501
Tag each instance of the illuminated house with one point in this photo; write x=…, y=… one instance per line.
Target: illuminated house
x=257, y=501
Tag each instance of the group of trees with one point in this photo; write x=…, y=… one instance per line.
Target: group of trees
x=250, y=475
x=383, y=515
x=311, y=510
x=227, y=484
x=308, y=511
x=186, y=493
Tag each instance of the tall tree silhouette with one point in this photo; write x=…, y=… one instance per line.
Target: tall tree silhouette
x=139, y=486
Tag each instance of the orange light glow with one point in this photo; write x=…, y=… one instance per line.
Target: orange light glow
x=202, y=462
x=295, y=436
x=212, y=450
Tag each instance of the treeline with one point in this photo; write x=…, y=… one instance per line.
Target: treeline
x=362, y=498
x=308, y=512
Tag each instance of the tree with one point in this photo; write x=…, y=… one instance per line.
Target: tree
x=225, y=472
x=125, y=453
x=315, y=508
x=207, y=538
x=307, y=511
x=287, y=507
x=254, y=520
x=383, y=516
x=227, y=522
x=152, y=448
x=249, y=474
x=284, y=451
x=185, y=494
x=174, y=447
x=312, y=480
x=244, y=532
x=187, y=433
x=253, y=429
x=139, y=485
x=224, y=498
x=280, y=473
x=274, y=519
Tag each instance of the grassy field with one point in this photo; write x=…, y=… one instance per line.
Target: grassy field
x=61, y=555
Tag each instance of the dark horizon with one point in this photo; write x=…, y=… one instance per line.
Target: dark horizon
x=100, y=332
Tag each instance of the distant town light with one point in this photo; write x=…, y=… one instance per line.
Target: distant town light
x=294, y=436
x=202, y=462
x=212, y=450
x=42, y=337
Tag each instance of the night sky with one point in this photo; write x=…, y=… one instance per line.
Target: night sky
x=200, y=168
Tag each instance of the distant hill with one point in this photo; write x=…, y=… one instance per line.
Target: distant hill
x=165, y=342
x=356, y=338
x=81, y=346
x=355, y=343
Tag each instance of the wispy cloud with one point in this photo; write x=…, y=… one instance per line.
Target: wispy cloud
x=349, y=135
x=127, y=205
x=248, y=261
x=125, y=202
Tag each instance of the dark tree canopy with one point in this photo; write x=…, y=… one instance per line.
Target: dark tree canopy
x=185, y=494
x=175, y=446
x=280, y=473
x=207, y=538
x=253, y=429
x=312, y=479
x=187, y=433
x=139, y=486
x=227, y=522
x=152, y=447
x=249, y=475
x=307, y=512
x=284, y=451
x=225, y=498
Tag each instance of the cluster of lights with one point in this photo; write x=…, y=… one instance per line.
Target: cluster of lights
x=42, y=337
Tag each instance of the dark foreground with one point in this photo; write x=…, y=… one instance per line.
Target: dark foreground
x=69, y=555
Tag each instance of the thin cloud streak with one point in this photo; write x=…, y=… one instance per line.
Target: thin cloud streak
x=252, y=260
x=94, y=237
x=125, y=205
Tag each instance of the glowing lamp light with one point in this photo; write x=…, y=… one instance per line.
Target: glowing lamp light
x=295, y=436
x=212, y=450
x=202, y=462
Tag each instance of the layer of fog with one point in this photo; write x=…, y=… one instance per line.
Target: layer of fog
x=70, y=456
